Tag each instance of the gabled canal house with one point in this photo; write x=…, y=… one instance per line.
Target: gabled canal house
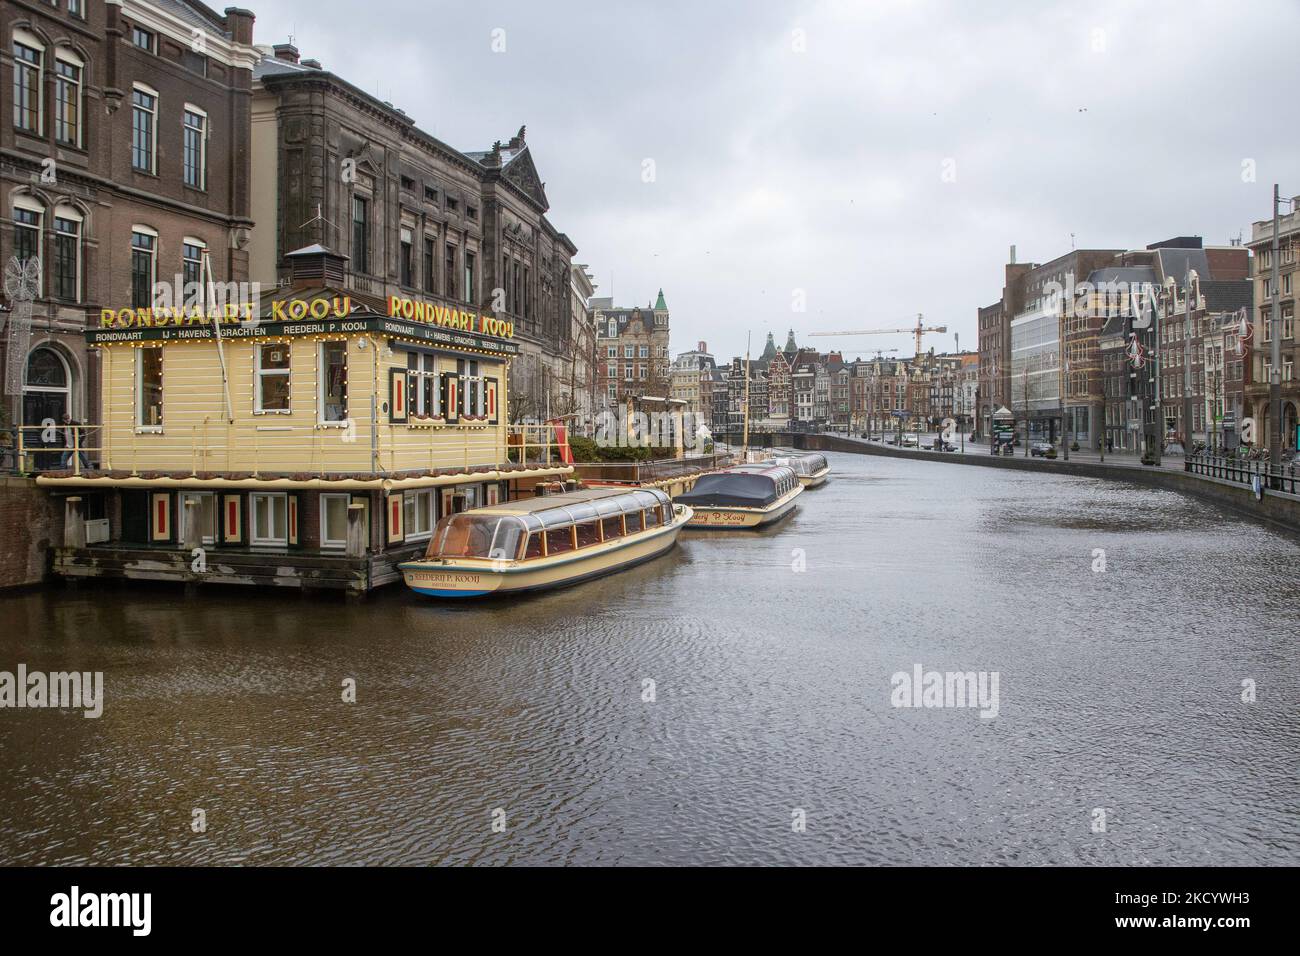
x=314, y=443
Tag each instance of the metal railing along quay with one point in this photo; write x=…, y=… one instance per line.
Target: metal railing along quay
x=1244, y=471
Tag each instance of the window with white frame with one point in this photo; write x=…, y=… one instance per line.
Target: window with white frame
x=418, y=516
x=629, y=351
x=272, y=385
x=611, y=351
x=29, y=64
x=194, y=151
x=144, y=129
x=473, y=400
x=144, y=266
x=332, y=375
x=201, y=508
x=28, y=216
x=149, y=388
x=423, y=385
x=334, y=520
x=613, y=328
x=192, y=268
x=270, y=518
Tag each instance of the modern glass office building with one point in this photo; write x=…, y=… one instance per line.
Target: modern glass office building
x=1035, y=371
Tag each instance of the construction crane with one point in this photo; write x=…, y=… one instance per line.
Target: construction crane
x=878, y=352
x=920, y=330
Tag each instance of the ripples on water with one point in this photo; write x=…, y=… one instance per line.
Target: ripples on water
x=1118, y=690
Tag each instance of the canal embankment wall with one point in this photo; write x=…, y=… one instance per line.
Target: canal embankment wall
x=31, y=523
x=1275, y=508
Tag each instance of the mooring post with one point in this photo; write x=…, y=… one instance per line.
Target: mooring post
x=74, y=525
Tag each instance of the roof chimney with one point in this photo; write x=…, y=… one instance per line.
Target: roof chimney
x=312, y=64
x=240, y=23
x=315, y=265
x=286, y=51
x=1013, y=255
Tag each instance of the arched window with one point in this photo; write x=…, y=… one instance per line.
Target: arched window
x=29, y=81
x=46, y=370
x=47, y=388
x=144, y=128
x=68, y=71
x=65, y=281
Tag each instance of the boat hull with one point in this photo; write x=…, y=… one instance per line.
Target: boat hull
x=477, y=579
x=743, y=519
x=815, y=480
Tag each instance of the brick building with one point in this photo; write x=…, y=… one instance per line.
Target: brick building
x=124, y=162
x=1261, y=359
x=415, y=216
x=631, y=351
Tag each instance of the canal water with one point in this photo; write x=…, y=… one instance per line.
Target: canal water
x=769, y=734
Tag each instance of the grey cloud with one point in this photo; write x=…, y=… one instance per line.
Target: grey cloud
x=821, y=170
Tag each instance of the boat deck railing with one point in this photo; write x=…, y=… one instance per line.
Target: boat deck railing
x=642, y=472
x=219, y=447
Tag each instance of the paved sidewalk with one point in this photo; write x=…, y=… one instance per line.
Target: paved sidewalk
x=1117, y=459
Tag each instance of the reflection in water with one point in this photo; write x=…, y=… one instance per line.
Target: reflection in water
x=1119, y=690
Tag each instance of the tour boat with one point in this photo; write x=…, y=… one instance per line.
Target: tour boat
x=742, y=496
x=547, y=542
x=812, y=469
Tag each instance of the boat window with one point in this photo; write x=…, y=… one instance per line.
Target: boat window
x=465, y=536
x=613, y=528
x=588, y=534
x=506, y=539
x=608, y=506
x=653, y=518
x=534, y=547
x=559, y=540
x=633, y=522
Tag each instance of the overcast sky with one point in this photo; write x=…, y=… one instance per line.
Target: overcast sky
x=878, y=156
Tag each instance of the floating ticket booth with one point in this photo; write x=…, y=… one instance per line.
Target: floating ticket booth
x=313, y=439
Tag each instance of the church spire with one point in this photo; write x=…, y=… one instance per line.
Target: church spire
x=660, y=304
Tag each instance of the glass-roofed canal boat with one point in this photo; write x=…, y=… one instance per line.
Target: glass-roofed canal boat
x=546, y=542
x=812, y=468
x=742, y=496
